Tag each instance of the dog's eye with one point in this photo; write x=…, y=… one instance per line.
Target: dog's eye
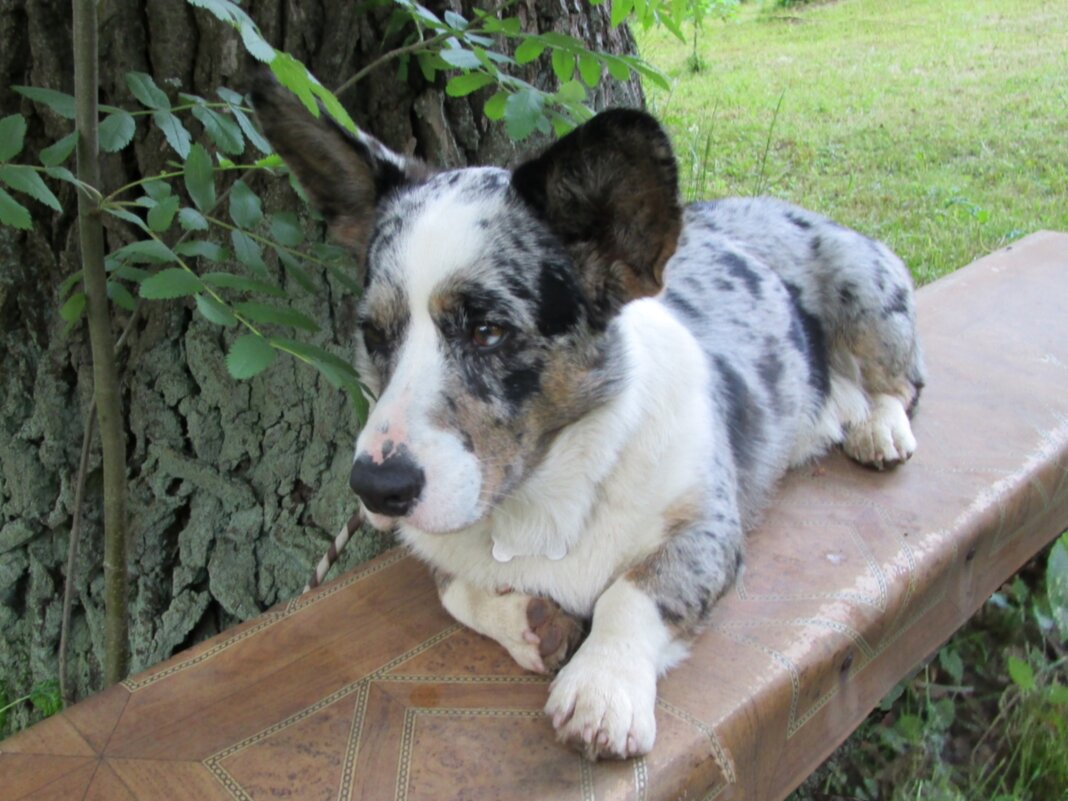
x=374, y=338
x=488, y=336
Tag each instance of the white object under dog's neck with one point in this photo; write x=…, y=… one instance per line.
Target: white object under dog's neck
x=506, y=551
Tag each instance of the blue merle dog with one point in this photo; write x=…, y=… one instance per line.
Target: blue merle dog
x=584, y=392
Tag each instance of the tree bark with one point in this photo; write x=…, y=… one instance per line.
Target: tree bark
x=234, y=488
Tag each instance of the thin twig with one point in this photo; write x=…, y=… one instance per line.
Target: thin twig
x=392, y=54
x=65, y=690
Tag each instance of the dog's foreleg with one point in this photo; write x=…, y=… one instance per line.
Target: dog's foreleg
x=537, y=633
x=603, y=701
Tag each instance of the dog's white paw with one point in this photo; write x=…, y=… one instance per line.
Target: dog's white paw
x=604, y=705
x=885, y=438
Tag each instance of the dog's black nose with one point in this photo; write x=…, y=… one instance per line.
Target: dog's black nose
x=390, y=488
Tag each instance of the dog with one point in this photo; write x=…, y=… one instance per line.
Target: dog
x=584, y=393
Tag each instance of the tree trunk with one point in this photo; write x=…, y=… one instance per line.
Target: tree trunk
x=234, y=487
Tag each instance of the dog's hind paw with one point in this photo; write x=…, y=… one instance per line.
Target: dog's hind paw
x=558, y=633
x=603, y=706
x=885, y=438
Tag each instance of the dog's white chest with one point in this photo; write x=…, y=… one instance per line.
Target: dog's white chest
x=506, y=547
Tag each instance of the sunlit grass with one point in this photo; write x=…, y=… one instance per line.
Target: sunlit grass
x=939, y=127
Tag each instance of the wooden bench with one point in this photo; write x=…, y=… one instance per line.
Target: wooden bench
x=365, y=689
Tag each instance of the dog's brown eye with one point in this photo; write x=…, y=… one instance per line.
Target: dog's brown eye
x=487, y=336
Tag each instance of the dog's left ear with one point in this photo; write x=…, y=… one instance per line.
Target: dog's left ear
x=345, y=175
x=609, y=190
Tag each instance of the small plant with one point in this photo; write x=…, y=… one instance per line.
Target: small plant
x=44, y=697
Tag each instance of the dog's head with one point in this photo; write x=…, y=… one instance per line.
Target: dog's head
x=489, y=296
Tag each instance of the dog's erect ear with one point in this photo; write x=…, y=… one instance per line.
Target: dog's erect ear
x=609, y=190
x=344, y=175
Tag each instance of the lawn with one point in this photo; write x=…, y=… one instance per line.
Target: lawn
x=941, y=127
x=937, y=126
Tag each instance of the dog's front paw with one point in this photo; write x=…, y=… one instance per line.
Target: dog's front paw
x=604, y=705
x=884, y=439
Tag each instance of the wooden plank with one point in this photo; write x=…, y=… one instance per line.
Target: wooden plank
x=366, y=689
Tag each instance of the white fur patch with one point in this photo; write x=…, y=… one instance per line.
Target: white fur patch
x=885, y=438
x=846, y=407
x=500, y=616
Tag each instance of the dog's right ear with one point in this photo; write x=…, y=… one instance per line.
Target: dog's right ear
x=344, y=175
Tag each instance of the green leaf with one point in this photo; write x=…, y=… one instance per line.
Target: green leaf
x=1021, y=673
x=172, y=282
x=250, y=131
x=286, y=230
x=494, y=108
x=242, y=283
x=63, y=174
x=616, y=68
x=126, y=216
x=174, y=132
x=528, y=50
x=215, y=312
x=73, y=308
x=466, y=83
x=134, y=274
x=313, y=353
x=200, y=178
x=145, y=90
x=522, y=111
x=572, y=92
x=203, y=249
x=159, y=189
x=589, y=69
x=116, y=131
x=121, y=295
x=294, y=76
x=162, y=214
x=249, y=355
x=192, y=220
x=14, y=213
x=951, y=662
x=224, y=132
x=620, y=10
x=1057, y=694
x=293, y=268
x=563, y=65
x=455, y=21
x=45, y=696
x=460, y=58
x=145, y=251
x=265, y=313
x=26, y=180
x=248, y=252
x=69, y=283
x=60, y=102
x=428, y=65
x=55, y=154
x=1057, y=584
x=12, y=135
x=245, y=207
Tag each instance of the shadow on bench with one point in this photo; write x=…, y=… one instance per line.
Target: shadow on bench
x=366, y=689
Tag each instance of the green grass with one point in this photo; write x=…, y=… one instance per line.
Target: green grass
x=940, y=127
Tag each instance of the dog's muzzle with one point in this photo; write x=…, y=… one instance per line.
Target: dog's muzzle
x=390, y=488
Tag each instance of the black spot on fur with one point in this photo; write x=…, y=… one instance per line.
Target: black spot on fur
x=770, y=368
x=847, y=295
x=520, y=384
x=559, y=300
x=899, y=303
x=682, y=305
x=806, y=334
x=800, y=222
x=745, y=418
x=668, y=615
x=740, y=269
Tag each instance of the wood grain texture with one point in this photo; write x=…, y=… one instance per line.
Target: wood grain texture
x=365, y=689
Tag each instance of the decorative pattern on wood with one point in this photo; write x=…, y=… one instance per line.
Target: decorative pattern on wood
x=365, y=689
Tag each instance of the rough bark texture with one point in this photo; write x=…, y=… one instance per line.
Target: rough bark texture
x=235, y=487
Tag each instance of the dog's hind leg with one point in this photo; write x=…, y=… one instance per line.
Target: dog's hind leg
x=863, y=299
x=538, y=634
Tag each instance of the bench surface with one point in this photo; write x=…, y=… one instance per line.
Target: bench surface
x=366, y=689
